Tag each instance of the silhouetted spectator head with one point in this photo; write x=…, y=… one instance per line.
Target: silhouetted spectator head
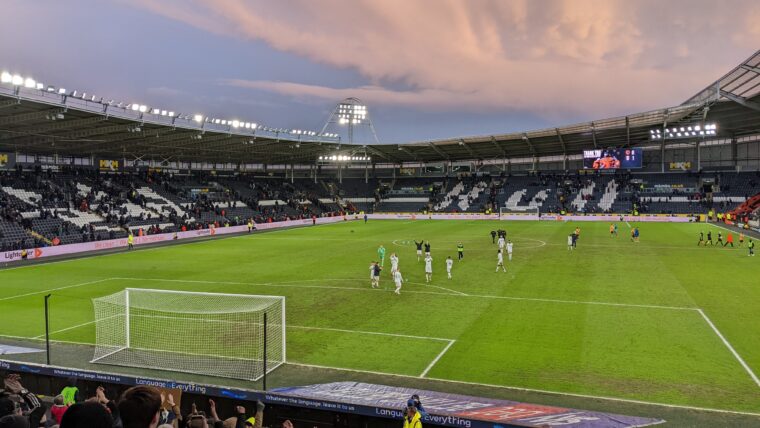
x=7, y=406
x=139, y=407
x=14, y=421
x=87, y=415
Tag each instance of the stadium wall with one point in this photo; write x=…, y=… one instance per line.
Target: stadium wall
x=110, y=244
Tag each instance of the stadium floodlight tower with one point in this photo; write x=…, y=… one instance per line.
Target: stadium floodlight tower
x=350, y=113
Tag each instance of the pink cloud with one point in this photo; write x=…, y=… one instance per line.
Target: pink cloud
x=595, y=56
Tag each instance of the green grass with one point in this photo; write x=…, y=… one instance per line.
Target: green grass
x=546, y=324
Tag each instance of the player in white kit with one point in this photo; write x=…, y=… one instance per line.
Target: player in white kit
x=570, y=241
x=501, y=242
x=449, y=265
x=509, y=250
x=394, y=263
x=500, y=261
x=428, y=268
x=398, y=280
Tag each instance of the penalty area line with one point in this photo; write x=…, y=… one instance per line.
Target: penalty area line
x=56, y=289
x=438, y=357
x=730, y=348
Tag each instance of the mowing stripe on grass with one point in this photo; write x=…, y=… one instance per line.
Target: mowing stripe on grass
x=730, y=348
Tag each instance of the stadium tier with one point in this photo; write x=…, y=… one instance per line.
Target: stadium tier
x=44, y=208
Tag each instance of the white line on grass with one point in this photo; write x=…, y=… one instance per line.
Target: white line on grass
x=300, y=327
x=730, y=348
x=438, y=357
x=55, y=289
x=481, y=296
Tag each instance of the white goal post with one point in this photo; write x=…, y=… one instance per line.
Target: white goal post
x=213, y=334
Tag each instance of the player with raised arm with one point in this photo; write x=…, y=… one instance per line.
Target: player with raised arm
x=394, y=263
x=428, y=268
x=500, y=261
x=509, y=250
x=427, y=248
x=419, y=249
x=398, y=279
x=449, y=265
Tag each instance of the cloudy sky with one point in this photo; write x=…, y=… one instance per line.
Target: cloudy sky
x=426, y=68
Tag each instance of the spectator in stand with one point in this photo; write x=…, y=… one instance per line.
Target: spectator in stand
x=17, y=400
x=58, y=409
x=14, y=421
x=140, y=407
x=89, y=414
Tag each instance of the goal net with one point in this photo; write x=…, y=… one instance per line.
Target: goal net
x=204, y=333
x=531, y=212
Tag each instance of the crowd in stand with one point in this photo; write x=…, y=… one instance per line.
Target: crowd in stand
x=206, y=203
x=136, y=407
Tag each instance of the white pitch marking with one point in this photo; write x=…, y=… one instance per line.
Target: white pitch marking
x=730, y=348
x=482, y=296
x=55, y=289
x=438, y=357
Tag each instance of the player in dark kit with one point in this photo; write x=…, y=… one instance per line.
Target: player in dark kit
x=701, y=239
x=720, y=240
x=493, y=236
x=709, y=238
x=427, y=248
x=419, y=249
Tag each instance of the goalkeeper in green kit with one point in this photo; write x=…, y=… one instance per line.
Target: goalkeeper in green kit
x=381, y=255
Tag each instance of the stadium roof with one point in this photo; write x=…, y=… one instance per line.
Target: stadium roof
x=40, y=120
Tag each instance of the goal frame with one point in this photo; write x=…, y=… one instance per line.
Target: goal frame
x=127, y=331
x=530, y=213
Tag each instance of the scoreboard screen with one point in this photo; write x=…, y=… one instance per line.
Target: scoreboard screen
x=612, y=158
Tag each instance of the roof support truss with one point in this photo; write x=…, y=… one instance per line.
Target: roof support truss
x=741, y=100
x=439, y=151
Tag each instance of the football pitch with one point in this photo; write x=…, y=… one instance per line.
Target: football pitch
x=661, y=320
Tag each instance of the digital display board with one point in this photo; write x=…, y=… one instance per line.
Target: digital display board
x=612, y=158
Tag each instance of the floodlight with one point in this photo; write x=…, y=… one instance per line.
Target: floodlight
x=143, y=108
x=29, y=82
x=17, y=80
x=39, y=85
x=156, y=111
x=198, y=118
x=135, y=107
x=6, y=77
x=171, y=114
x=50, y=89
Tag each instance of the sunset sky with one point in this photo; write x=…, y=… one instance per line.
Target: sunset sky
x=427, y=69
